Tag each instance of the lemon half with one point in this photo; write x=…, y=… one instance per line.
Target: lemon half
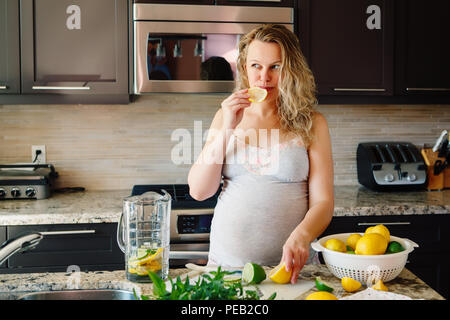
x=280, y=275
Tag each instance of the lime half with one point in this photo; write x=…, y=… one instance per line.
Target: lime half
x=253, y=273
x=322, y=285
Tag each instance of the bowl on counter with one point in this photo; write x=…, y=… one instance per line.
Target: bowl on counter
x=366, y=269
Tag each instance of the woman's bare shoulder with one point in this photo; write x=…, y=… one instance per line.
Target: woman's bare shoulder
x=319, y=121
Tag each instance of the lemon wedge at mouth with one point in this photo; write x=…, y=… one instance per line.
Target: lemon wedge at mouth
x=257, y=94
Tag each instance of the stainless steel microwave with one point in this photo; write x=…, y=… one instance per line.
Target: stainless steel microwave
x=193, y=48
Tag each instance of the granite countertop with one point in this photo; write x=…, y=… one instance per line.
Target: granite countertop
x=13, y=286
x=106, y=206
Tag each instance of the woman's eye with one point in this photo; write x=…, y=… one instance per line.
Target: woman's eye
x=276, y=67
x=255, y=65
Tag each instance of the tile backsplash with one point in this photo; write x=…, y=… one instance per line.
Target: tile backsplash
x=107, y=147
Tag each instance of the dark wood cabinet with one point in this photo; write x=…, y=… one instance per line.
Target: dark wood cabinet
x=348, y=45
x=422, y=47
x=69, y=52
x=203, y=2
x=2, y=240
x=91, y=246
x=9, y=47
x=260, y=3
x=82, y=48
x=430, y=261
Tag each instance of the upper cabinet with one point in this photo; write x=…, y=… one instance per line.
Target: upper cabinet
x=205, y=2
x=74, y=46
x=422, y=47
x=377, y=51
x=9, y=47
x=348, y=45
x=260, y=3
x=71, y=51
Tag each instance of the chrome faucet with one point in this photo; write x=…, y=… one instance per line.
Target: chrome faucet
x=19, y=244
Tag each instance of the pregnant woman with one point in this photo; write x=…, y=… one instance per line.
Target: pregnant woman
x=274, y=156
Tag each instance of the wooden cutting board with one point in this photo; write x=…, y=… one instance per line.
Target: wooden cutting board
x=284, y=291
x=268, y=287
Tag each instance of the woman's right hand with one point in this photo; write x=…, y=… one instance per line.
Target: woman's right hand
x=233, y=108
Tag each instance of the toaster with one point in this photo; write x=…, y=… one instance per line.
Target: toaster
x=390, y=166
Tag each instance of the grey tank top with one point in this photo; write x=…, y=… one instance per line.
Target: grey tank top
x=263, y=199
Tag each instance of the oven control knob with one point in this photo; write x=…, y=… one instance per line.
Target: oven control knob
x=389, y=177
x=2, y=193
x=30, y=192
x=15, y=192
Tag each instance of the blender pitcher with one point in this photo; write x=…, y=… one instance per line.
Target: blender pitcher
x=143, y=234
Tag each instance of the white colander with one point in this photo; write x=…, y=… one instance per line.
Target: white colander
x=366, y=269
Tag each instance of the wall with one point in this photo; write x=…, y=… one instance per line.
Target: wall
x=117, y=146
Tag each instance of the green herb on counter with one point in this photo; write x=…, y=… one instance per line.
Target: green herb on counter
x=210, y=286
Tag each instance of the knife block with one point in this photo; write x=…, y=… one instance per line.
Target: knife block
x=435, y=182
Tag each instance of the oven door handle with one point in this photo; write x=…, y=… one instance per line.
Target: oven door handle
x=188, y=255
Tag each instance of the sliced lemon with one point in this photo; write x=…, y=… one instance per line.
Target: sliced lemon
x=280, y=275
x=321, y=295
x=257, y=94
x=380, y=286
x=350, y=285
x=150, y=257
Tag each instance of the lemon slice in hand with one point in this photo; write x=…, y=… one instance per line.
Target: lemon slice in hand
x=280, y=275
x=257, y=94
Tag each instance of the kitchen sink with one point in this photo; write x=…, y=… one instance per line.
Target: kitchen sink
x=109, y=294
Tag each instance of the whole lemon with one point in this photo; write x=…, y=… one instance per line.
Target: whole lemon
x=321, y=295
x=381, y=229
x=371, y=244
x=335, y=245
x=353, y=239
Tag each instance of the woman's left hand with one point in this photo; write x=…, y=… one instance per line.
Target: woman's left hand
x=295, y=254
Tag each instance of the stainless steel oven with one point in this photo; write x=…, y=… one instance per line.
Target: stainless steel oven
x=193, y=48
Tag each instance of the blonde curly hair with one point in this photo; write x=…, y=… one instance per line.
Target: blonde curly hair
x=296, y=99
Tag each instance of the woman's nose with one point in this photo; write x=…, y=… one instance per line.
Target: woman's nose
x=265, y=75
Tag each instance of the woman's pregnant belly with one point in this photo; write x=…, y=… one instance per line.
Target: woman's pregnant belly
x=253, y=218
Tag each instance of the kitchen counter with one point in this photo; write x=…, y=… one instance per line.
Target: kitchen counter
x=13, y=286
x=106, y=206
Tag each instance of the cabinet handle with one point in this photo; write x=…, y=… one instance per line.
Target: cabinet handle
x=427, y=89
x=3, y=87
x=55, y=233
x=188, y=254
x=385, y=223
x=360, y=89
x=59, y=88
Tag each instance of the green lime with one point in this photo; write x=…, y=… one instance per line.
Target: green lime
x=253, y=273
x=394, y=247
x=232, y=278
x=350, y=252
x=323, y=286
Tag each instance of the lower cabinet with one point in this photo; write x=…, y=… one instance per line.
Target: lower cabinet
x=90, y=247
x=430, y=261
x=2, y=239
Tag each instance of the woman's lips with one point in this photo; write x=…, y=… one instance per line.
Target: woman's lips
x=267, y=88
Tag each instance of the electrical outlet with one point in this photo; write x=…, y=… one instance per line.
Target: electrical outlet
x=41, y=158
